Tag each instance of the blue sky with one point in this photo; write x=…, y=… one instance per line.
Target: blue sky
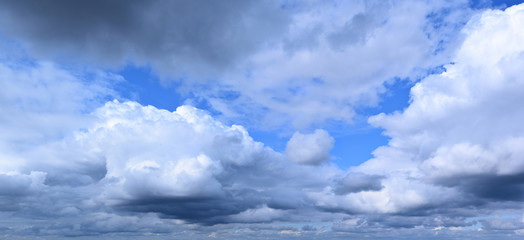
x=261, y=119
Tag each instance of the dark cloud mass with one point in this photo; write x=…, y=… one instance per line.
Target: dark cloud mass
x=507, y=187
x=188, y=36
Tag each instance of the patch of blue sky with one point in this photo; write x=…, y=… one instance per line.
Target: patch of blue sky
x=274, y=139
x=144, y=87
x=14, y=54
x=355, y=144
x=502, y=4
x=505, y=3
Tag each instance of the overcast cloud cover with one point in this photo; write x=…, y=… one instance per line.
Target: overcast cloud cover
x=79, y=158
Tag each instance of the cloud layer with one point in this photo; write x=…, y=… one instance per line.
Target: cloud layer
x=271, y=64
x=104, y=168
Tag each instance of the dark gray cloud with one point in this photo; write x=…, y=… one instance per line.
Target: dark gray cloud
x=192, y=209
x=506, y=224
x=488, y=186
x=357, y=182
x=189, y=36
x=360, y=26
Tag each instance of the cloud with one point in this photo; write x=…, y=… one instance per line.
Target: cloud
x=357, y=182
x=44, y=101
x=269, y=64
x=454, y=160
x=185, y=36
x=456, y=146
x=346, y=67
x=186, y=165
x=183, y=165
x=310, y=148
x=125, y=165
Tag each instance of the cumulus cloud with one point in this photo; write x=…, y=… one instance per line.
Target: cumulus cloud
x=140, y=160
x=310, y=148
x=187, y=165
x=128, y=167
x=457, y=144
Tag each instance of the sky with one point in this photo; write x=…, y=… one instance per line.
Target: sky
x=278, y=119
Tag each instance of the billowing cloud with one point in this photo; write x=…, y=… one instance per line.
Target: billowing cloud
x=457, y=145
x=140, y=162
x=186, y=165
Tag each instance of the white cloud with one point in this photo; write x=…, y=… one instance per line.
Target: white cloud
x=472, y=103
x=310, y=148
x=356, y=48
x=182, y=164
x=154, y=152
x=42, y=101
x=261, y=214
x=187, y=165
x=460, y=137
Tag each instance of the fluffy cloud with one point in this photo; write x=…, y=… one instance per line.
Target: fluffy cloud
x=41, y=103
x=310, y=148
x=458, y=144
x=186, y=165
x=144, y=163
x=131, y=167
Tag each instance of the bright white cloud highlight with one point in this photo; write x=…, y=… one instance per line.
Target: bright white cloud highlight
x=459, y=141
